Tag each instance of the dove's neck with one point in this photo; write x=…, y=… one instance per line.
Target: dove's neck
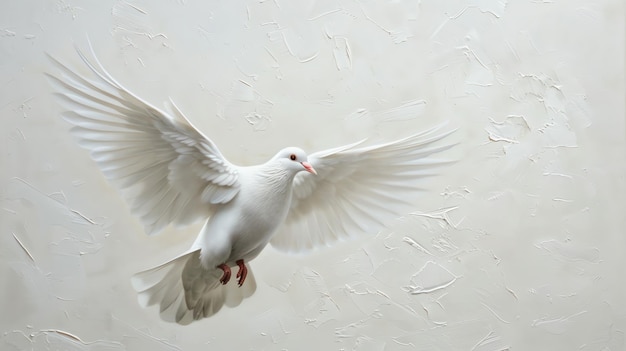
x=277, y=179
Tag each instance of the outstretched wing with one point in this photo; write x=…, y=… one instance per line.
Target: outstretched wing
x=358, y=189
x=171, y=172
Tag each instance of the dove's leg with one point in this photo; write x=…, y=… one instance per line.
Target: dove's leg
x=226, y=277
x=242, y=273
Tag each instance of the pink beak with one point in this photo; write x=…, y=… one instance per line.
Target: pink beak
x=308, y=167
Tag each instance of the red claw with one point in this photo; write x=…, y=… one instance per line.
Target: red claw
x=242, y=273
x=226, y=276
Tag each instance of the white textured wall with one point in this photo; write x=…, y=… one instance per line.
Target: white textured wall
x=520, y=246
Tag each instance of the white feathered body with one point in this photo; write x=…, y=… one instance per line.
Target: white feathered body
x=241, y=228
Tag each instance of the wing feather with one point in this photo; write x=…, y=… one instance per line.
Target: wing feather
x=358, y=189
x=169, y=171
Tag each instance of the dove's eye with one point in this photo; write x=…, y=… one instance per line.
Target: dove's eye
x=292, y=157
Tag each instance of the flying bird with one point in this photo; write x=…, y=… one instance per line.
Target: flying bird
x=171, y=173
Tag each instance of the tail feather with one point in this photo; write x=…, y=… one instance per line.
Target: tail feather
x=185, y=291
x=152, y=284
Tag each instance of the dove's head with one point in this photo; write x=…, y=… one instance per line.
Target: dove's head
x=295, y=159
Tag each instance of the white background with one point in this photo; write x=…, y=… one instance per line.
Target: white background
x=520, y=245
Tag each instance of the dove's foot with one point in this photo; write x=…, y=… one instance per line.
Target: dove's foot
x=242, y=273
x=226, y=276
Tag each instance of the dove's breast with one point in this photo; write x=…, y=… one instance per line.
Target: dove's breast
x=264, y=205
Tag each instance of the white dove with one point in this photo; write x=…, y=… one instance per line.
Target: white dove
x=171, y=173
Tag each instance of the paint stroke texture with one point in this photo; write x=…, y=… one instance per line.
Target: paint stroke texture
x=519, y=246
